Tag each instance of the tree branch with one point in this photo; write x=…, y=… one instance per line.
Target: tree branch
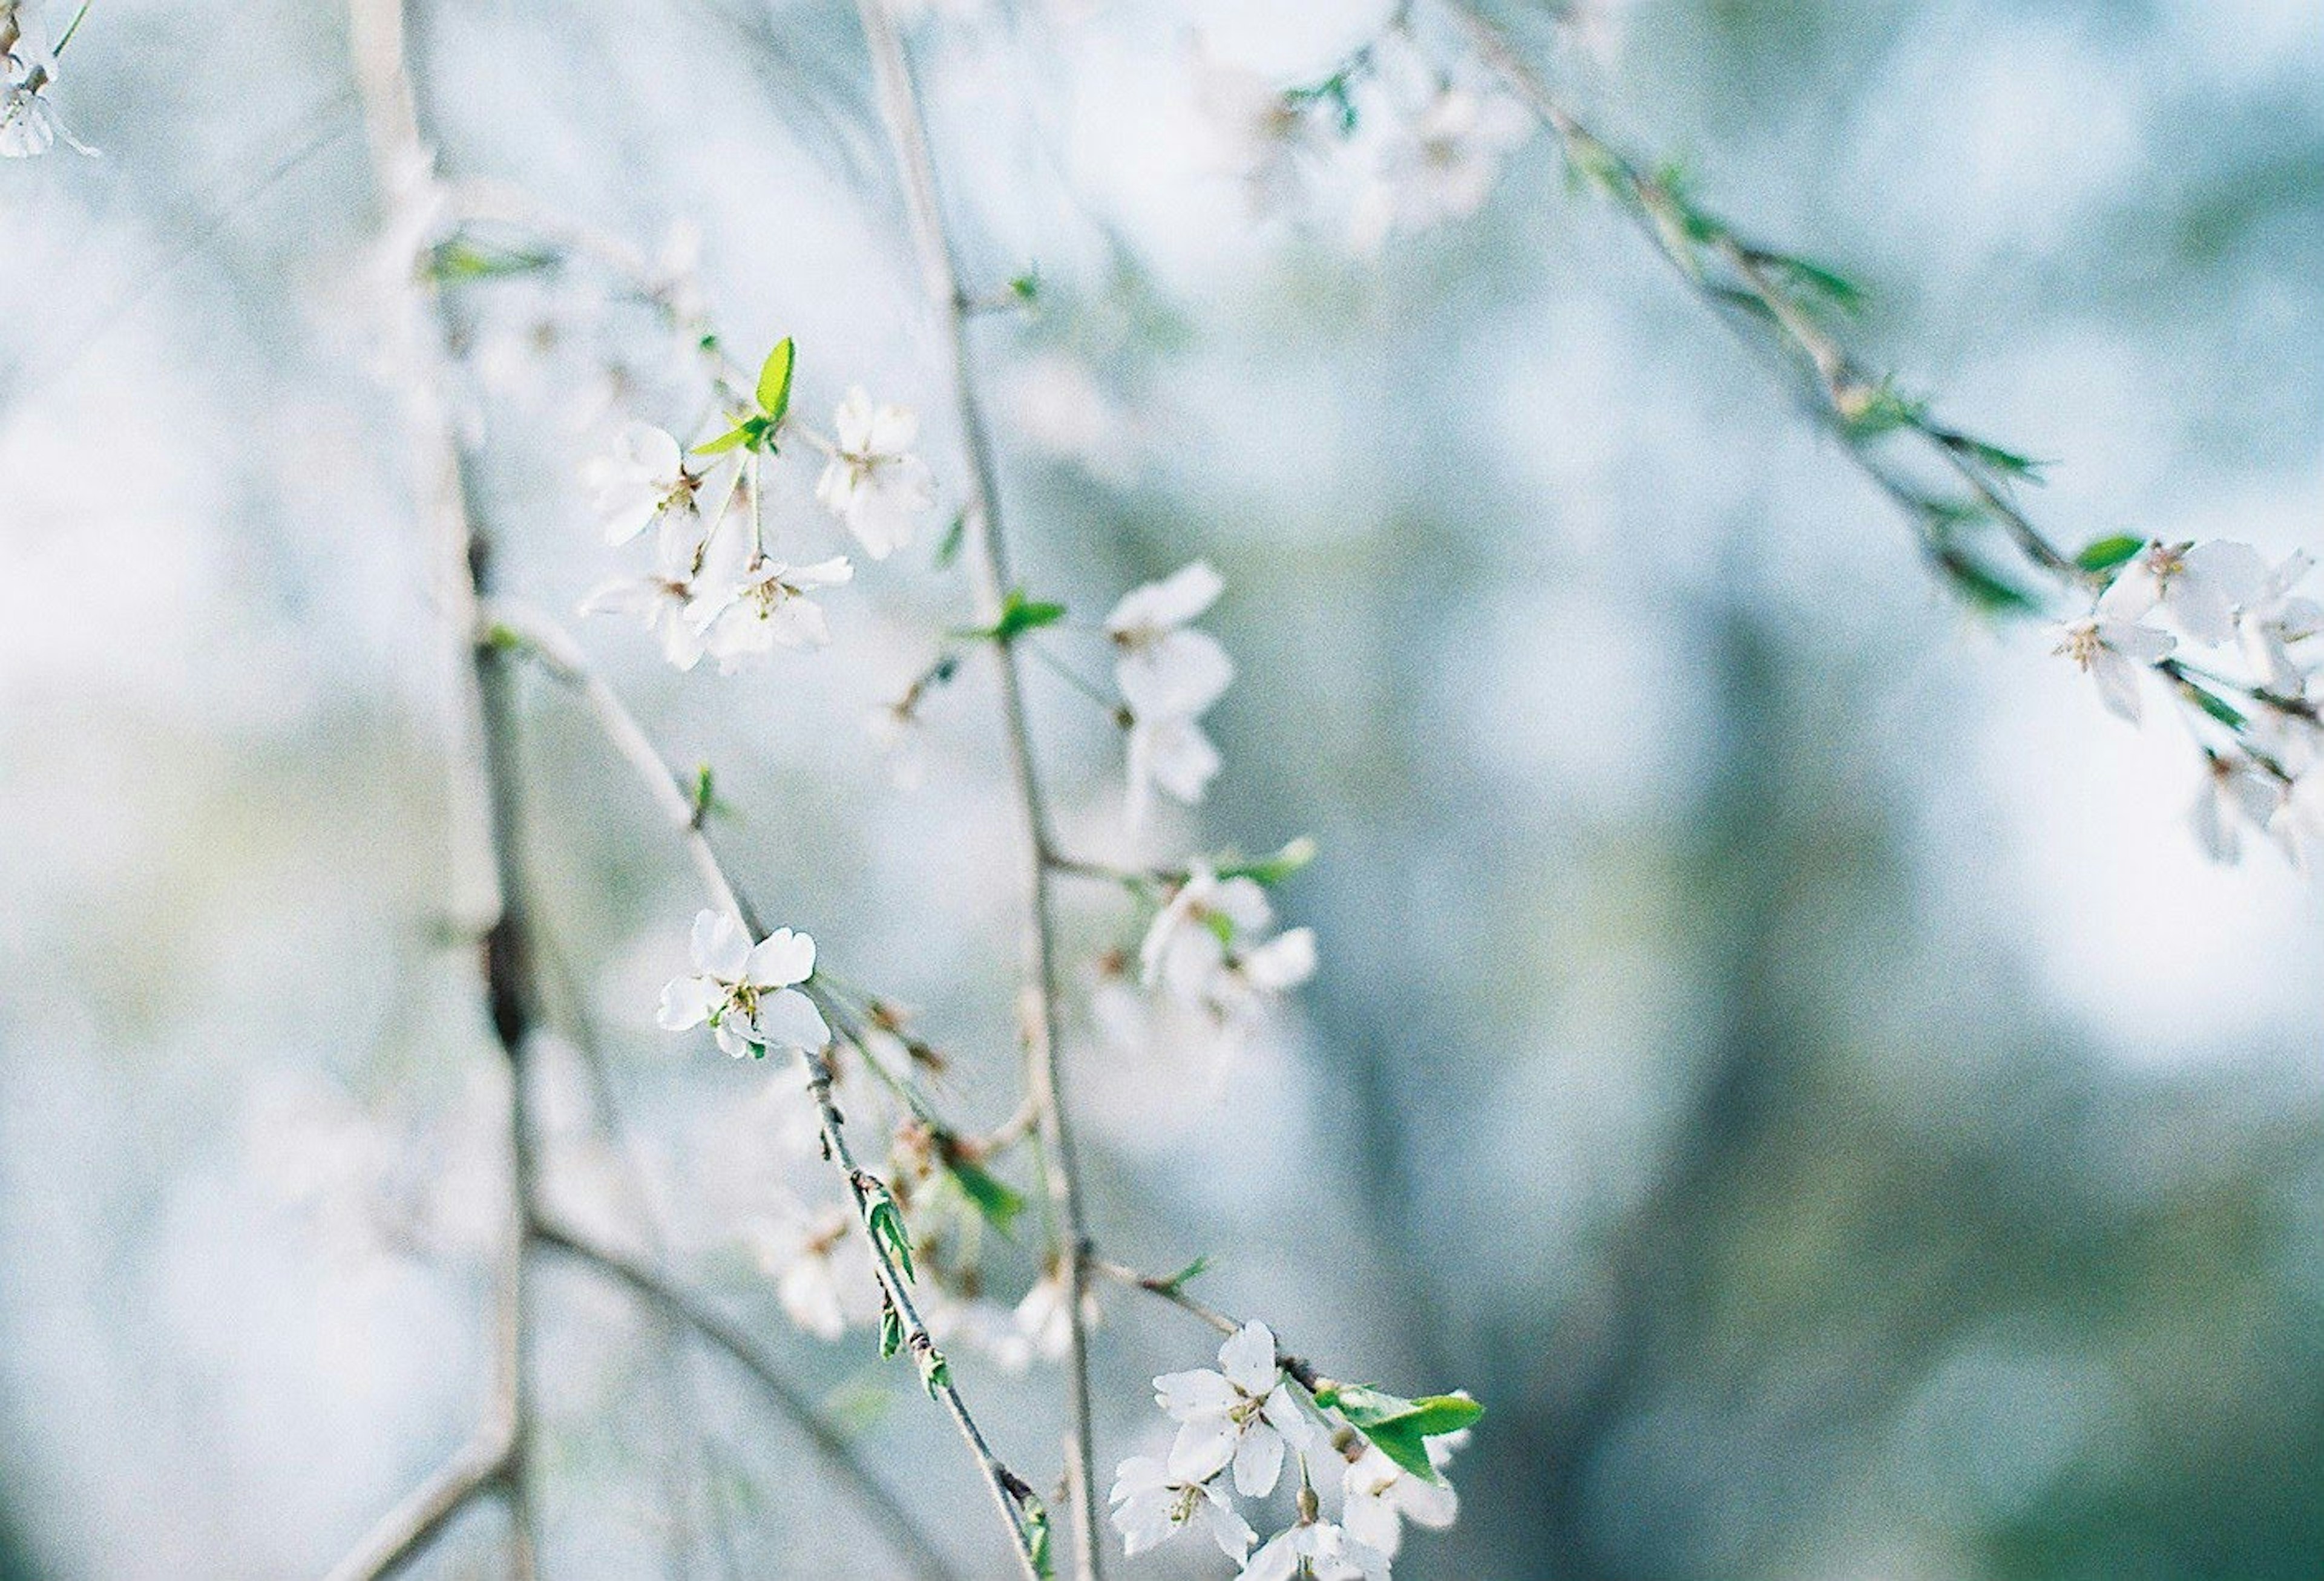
x=408, y=1528
x=987, y=561
x=911, y=1544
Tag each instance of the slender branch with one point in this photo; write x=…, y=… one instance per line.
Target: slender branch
x=987, y=561
x=483, y=784
x=408, y=1528
x=903, y=1533
x=527, y=630
x=1170, y=1290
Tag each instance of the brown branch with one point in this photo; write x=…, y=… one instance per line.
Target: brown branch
x=1298, y=1367
x=989, y=568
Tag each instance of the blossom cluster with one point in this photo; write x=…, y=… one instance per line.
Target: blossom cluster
x=1430, y=144
x=1241, y=1422
x=29, y=127
x=2159, y=602
x=714, y=588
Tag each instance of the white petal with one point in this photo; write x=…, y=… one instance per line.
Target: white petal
x=1259, y=1460
x=2117, y=681
x=1248, y=1359
x=780, y=960
x=1200, y=1392
x=1203, y=1449
x=720, y=948
x=688, y=1002
x=1227, y=1527
x=1178, y=598
x=1283, y=962
x=1178, y=675
x=787, y=1019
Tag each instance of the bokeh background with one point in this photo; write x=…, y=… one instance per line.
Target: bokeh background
x=1776, y=1042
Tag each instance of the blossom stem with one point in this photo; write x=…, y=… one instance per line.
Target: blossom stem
x=900, y=107
x=1298, y=1368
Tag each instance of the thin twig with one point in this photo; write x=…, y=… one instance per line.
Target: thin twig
x=530, y=632
x=484, y=800
x=1171, y=1290
x=903, y=1533
x=988, y=562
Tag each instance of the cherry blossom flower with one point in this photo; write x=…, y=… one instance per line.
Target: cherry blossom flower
x=1442, y=164
x=1242, y=1415
x=644, y=482
x=872, y=482
x=2112, y=651
x=1379, y=1496
x=746, y=604
x=822, y=1271
x=748, y=993
x=1166, y=669
x=1258, y=134
x=1171, y=755
x=1042, y=1315
x=2236, y=792
x=1198, y=949
x=1319, y=1549
x=663, y=602
x=29, y=127
x=2275, y=621
x=1151, y=1504
x=2196, y=587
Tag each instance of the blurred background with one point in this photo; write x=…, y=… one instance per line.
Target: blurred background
x=1776, y=1042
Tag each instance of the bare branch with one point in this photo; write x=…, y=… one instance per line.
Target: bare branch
x=912, y=1545
x=408, y=1528
x=988, y=562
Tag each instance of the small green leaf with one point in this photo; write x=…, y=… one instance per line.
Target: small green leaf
x=891, y=1330
x=1273, y=870
x=1869, y=412
x=1026, y=287
x=1813, y=280
x=775, y=380
x=2008, y=463
x=745, y=432
x=994, y=1198
x=1402, y=1428
x=936, y=1371
x=1018, y=615
x=464, y=259
x=2106, y=554
x=1981, y=587
x=1184, y=1276
x=955, y=533
x=1036, y=1539
x=885, y=1220
x=2211, y=702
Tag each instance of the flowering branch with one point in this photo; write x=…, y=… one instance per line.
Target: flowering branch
x=987, y=561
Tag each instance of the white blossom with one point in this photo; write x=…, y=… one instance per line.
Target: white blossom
x=644, y=481
x=1379, y=1496
x=1166, y=669
x=1319, y=1549
x=2236, y=792
x=748, y=993
x=872, y=482
x=1441, y=164
x=2112, y=652
x=1171, y=755
x=29, y=127
x=2276, y=621
x=1258, y=134
x=1151, y=1504
x=663, y=602
x=1199, y=947
x=1242, y=1415
x=1043, y=1316
x=747, y=604
x=2195, y=587
x=821, y=1271
x=987, y=1327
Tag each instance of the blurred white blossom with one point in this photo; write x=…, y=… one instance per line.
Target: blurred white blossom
x=872, y=482
x=2113, y=652
x=1151, y=1503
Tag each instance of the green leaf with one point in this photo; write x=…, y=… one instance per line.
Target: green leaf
x=2211, y=702
x=936, y=1371
x=1037, y=1539
x=885, y=1220
x=1018, y=615
x=1981, y=587
x=955, y=533
x=2106, y=554
x=995, y=1198
x=1184, y=1276
x=462, y=259
x=2008, y=463
x=1813, y=280
x=1402, y=1428
x=1273, y=870
x=1026, y=287
x=891, y=1330
x=775, y=380
x=1872, y=410
x=745, y=432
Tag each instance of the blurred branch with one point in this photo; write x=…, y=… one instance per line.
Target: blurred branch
x=478, y=1468
x=988, y=570
x=911, y=1544
x=482, y=792
x=515, y=628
